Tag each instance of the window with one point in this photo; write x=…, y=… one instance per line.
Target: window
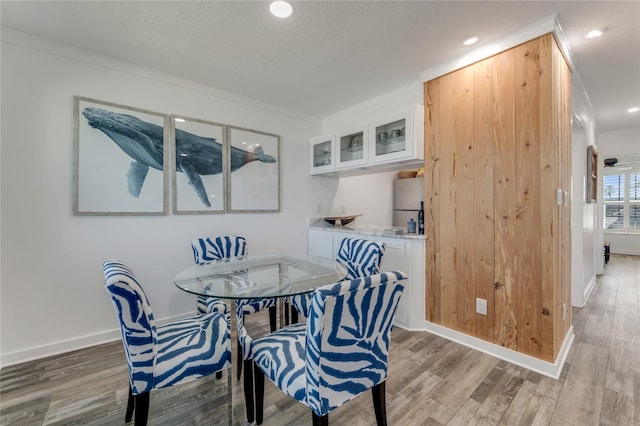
x=621, y=195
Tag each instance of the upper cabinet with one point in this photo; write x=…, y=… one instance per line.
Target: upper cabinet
x=322, y=153
x=394, y=138
x=390, y=143
x=352, y=149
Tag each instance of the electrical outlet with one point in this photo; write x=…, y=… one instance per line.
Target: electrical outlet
x=318, y=208
x=481, y=306
x=564, y=311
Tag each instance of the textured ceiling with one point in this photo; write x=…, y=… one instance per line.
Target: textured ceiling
x=332, y=55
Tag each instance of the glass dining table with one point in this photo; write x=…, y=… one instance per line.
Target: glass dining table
x=253, y=277
x=258, y=276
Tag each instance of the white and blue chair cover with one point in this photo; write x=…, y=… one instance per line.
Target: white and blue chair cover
x=356, y=258
x=210, y=249
x=340, y=352
x=161, y=356
x=223, y=247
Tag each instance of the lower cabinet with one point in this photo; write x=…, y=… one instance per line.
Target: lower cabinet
x=404, y=254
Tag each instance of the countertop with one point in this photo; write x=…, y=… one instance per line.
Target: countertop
x=380, y=231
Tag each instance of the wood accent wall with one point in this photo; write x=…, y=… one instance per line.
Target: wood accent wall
x=497, y=146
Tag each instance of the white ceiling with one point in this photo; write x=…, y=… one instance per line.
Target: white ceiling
x=332, y=55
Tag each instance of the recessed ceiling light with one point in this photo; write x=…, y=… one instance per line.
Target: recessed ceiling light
x=471, y=40
x=594, y=33
x=179, y=120
x=281, y=8
x=634, y=109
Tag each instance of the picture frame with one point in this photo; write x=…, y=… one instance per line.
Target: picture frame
x=199, y=165
x=120, y=153
x=592, y=175
x=254, y=170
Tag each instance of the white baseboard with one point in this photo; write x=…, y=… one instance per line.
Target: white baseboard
x=57, y=348
x=545, y=368
x=548, y=369
x=589, y=289
x=63, y=346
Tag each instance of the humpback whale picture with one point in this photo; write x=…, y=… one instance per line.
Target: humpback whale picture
x=142, y=142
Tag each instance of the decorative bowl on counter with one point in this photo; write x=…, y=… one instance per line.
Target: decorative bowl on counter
x=341, y=220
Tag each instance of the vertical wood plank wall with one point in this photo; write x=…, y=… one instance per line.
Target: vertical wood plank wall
x=497, y=146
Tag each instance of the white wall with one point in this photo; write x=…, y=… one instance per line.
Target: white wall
x=584, y=254
x=51, y=279
x=612, y=144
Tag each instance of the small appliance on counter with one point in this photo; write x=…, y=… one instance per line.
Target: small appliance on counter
x=407, y=196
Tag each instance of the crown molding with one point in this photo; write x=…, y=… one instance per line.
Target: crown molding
x=530, y=32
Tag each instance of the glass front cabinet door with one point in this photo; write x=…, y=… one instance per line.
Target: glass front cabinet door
x=352, y=148
x=396, y=137
x=322, y=154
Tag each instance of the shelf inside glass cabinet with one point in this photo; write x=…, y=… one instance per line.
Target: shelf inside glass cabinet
x=351, y=147
x=322, y=154
x=391, y=145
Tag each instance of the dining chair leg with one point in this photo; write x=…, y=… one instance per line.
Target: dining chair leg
x=273, y=318
x=380, y=403
x=239, y=360
x=141, y=408
x=287, y=308
x=320, y=420
x=248, y=389
x=259, y=393
x=130, y=406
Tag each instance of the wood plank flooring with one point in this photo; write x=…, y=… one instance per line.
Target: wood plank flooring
x=432, y=381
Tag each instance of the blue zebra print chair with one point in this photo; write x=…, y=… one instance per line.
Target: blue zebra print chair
x=356, y=257
x=340, y=352
x=208, y=249
x=223, y=247
x=166, y=355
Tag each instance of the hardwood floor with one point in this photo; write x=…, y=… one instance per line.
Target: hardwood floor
x=432, y=381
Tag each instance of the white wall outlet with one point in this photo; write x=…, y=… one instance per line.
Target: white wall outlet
x=564, y=311
x=481, y=306
x=318, y=208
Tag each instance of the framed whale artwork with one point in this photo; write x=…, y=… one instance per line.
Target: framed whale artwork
x=198, y=165
x=254, y=171
x=119, y=158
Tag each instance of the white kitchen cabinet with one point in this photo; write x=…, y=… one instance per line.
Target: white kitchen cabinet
x=395, y=259
x=392, y=143
x=321, y=245
x=404, y=253
x=397, y=137
x=352, y=148
x=322, y=154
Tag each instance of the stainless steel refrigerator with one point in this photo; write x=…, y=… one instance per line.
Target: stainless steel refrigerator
x=407, y=194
